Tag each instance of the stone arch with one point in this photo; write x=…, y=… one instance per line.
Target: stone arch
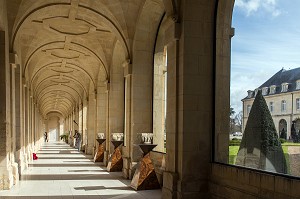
x=160, y=86
x=142, y=69
x=282, y=124
x=103, y=14
x=297, y=124
x=224, y=32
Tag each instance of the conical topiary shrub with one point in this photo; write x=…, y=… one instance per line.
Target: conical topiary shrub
x=260, y=147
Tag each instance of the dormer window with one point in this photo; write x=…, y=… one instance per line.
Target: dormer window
x=256, y=90
x=265, y=90
x=284, y=87
x=272, y=89
x=250, y=93
x=298, y=84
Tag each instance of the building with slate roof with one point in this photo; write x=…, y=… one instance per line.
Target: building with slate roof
x=282, y=94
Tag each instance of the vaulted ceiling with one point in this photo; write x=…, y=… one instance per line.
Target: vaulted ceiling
x=65, y=46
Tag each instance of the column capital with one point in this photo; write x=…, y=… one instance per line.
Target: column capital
x=107, y=86
x=13, y=58
x=173, y=32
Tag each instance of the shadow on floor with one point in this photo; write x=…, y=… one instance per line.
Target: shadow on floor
x=63, y=165
x=75, y=177
x=92, y=188
x=86, y=170
x=63, y=158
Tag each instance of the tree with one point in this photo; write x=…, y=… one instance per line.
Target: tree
x=260, y=147
x=239, y=120
x=232, y=112
x=231, y=120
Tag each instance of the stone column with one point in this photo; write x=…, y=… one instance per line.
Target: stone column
x=19, y=118
x=91, y=124
x=127, y=133
x=141, y=101
x=170, y=176
x=84, y=123
x=107, y=135
x=27, y=122
x=116, y=101
x=24, y=121
x=15, y=137
x=76, y=125
x=6, y=178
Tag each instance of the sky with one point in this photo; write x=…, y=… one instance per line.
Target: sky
x=267, y=39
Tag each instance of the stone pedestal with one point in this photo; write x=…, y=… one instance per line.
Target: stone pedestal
x=99, y=156
x=145, y=177
x=115, y=162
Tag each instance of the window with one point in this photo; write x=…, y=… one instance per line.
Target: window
x=272, y=89
x=248, y=109
x=284, y=87
x=250, y=93
x=271, y=107
x=283, y=105
x=160, y=99
x=298, y=84
x=298, y=103
x=246, y=73
x=255, y=92
x=265, y=90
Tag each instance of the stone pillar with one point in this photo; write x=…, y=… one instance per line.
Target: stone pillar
x=84, y=123
x=91, y=124
x=24, y=122
x=127, y=173
x=101, y=109
x=116, y=100
x=107, y=135
x=19, y=119
x=74, y=121
x=15, y=115
x=27, y=122
x=170, y=176
x=6, y=178
x=141, y=101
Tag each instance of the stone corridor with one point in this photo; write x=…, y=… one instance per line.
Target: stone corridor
x=61, y=172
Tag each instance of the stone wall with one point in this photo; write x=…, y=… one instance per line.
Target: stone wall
x=228, y=182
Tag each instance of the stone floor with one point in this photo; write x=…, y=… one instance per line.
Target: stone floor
x=63, y=173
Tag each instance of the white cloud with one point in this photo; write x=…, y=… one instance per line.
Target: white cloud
x=253, y=6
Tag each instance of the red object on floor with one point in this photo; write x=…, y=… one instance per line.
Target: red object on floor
x=34, y=156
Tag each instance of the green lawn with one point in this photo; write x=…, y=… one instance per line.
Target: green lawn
x=233, y=150
x=290, y=144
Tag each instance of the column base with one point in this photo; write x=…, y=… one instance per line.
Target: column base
x=6, y=179
x=89, y=150
x=169, y=190
x=126, y=167
x=133, y=166
x=15, y=173
x=106, y=158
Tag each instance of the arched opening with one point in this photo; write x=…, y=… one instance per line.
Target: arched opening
x=160, y=86
x=282, y=128
x=247, y=62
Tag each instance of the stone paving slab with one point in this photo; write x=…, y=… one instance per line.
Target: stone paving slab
x=61, y=172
